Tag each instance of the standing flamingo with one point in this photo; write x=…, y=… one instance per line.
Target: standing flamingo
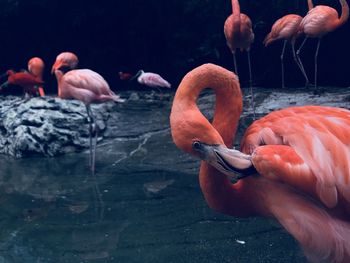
x=84, y=85
x=298, y=159
x=149, y=79
x=319, y=21
x=287, y=28
x=239, y=34
x=36, y=66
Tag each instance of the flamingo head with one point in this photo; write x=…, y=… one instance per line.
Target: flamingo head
x=235, y=164
x=65, y=61
x=36, y=66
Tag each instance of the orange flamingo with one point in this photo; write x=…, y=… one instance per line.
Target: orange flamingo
x=319, y=21
x=84, y=85
x=36, y=66
x=287, y=28
x=298, y=159
x=239, y=34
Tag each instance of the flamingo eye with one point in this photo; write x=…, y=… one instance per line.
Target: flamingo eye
x=196, y=145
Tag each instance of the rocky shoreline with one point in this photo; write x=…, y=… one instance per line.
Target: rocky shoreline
x=50, y=126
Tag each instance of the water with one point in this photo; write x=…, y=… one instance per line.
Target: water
x=50, y=213
x=144, y=205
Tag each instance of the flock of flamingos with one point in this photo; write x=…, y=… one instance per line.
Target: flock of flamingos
x=294, y=164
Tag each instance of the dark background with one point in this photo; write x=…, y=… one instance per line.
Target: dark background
x=169, y=37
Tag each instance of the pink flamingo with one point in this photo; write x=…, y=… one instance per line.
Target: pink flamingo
x=297, y=160
x=319, y=21
x=239, y=34
x=84, y=85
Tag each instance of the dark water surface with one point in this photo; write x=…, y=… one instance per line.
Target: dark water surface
x=144, y=205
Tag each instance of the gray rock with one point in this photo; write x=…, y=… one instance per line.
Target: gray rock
x=51, y=126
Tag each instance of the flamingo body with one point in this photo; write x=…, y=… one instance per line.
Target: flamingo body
x=319, y=21
x=311, y=143
x=301, y=156
x=239, y=37
x=84, y=85
x=284, y=28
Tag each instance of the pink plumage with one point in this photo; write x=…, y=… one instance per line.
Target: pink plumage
x=152, y=80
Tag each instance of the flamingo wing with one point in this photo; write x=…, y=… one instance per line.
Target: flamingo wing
x=87, y=79
x=87, y=86
x=319, y=21
x=306, y=147
x=285, y=27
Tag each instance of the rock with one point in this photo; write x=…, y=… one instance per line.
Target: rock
x=51, y=126
x=47, y=126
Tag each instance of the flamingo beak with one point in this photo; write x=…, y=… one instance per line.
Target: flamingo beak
x=235, y=164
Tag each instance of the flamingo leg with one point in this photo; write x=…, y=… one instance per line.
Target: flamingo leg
x=235, y=62
x=300, y=64
x=316, y=55
x=93, y=141
x=251, y=85
x=282, y=65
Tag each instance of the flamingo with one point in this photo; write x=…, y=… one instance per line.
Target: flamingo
x=239, y=34
x=287, y=28
x=149, y=79
x=36, y=66
x=319, y=21
x=84, y=85
x=295, y=162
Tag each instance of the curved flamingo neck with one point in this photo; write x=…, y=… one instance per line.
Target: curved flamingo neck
x=188, y=124
x=310, y=4
x=344, y=13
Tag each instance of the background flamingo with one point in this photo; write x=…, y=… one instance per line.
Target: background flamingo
x=36, y=66
x=84, y=85
x=319, y=21
x=287, y=28
x=239, y=34
x=149, y=79
x=299, y=158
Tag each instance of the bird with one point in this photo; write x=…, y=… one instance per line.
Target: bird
x=31, y=80
x=286, y=28
x=84, y=85
x=293, y=165
x=36, y=66
x=239, y=34
x=319, y=21
x=26, y=80
x=149, y=79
